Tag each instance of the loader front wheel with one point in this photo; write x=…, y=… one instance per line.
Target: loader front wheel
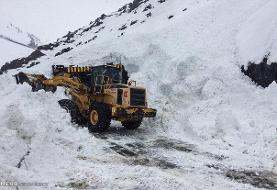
x=71, y=108
x=99, y=118
x=131, y=125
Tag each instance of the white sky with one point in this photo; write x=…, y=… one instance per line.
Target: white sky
x=51, y=19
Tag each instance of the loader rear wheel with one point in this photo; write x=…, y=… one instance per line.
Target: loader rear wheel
x=71, y=108
x=99, y=118
x=131, y=125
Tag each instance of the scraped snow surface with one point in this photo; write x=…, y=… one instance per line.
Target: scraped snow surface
x=208, y=112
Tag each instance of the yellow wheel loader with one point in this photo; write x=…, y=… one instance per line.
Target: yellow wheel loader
x=98, y=94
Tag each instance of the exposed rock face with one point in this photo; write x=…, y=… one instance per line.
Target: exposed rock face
x=132, y=6
x=262, y=74
x=63, y=51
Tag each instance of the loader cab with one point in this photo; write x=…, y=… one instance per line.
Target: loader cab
x=110, y=73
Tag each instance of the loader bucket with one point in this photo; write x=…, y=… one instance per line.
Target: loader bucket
x=35, y=81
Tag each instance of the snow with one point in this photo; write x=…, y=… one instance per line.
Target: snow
x=13, y=32
x=209, y=113
x=259, y=34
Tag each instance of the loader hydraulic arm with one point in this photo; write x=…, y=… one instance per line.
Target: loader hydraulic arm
x=39, y=82
x=68, y=82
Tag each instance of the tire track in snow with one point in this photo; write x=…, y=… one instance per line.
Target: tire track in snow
x=134, y=147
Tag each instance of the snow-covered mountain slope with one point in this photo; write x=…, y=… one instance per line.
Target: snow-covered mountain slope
x=9, y=31
x=213, y=125
x=15, y=43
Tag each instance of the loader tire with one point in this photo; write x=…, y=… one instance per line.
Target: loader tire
x=71, y=108
x=131, y=125
x=99, y=118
